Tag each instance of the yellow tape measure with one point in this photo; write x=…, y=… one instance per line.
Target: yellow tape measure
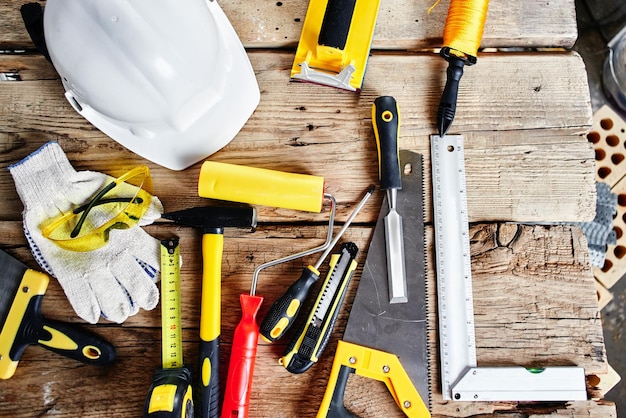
x=170, y=394
x=172, y=334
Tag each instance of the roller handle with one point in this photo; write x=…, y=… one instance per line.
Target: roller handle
x=386, y=121
x=210, y=327
x=60, y=337
x=284, y=311
x=242, y=360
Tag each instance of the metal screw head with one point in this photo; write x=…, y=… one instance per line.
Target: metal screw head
x=385, y=369
x=407, y=404
x=352, y=360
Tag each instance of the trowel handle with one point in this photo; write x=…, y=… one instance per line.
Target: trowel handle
x=242, y=360
x=386, y=122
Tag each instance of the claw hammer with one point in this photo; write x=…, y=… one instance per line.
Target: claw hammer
x=211, y=221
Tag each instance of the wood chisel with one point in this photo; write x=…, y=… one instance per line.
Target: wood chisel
x=170, y=394
x=307, y=345
x=386, y=121
x=388, y=341
x=460, y=378
x=22, y=324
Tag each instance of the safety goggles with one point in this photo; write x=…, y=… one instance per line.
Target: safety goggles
x=119, y=205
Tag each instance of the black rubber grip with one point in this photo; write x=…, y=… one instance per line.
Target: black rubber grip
x=336, y=23
x=386, y=121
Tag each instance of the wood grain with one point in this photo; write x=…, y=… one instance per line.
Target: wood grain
x=534, y=302
x=522, y=127
x=524, y=111
x=401, y=24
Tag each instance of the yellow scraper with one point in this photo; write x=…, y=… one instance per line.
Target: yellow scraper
x=335, y=43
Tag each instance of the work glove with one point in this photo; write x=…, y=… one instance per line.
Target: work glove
x=114, y=280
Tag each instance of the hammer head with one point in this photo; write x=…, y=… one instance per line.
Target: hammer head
x=214, y=217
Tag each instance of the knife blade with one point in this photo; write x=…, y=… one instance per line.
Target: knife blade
x=383, y=340
x=386, y=121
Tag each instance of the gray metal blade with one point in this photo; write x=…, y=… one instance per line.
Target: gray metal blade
x=398, y=328
x=396, y=273
x=11, y=273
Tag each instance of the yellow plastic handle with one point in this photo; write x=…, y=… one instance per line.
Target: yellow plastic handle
x=378, y=365
x=259, y=186
x=212, y=249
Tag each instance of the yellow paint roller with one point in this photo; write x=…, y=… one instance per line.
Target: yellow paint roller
x=259, y=186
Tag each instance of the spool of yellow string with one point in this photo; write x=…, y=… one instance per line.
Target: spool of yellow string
x=463, y=32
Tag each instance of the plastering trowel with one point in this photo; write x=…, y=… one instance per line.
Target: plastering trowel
x=335, y=43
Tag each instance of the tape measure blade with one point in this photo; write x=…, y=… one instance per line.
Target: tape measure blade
x=453, y=260
x=171, y=328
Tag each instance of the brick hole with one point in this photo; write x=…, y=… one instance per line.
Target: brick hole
x=617, y=158
x=607, y=265
x=603, y=172
x=606, y=124
x=619, y=251
x=600, y=154
x=593, y=137
x=621, y=199
x=618, y=232
x=612, y=140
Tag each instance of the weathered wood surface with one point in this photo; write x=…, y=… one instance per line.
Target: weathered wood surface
x=534, y=303
x=526, y=159
x=523, y=131
x=401, y=24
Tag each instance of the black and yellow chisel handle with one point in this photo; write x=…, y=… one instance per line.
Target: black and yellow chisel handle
x=170, y=395
x=210, y=328
x=373, y=364
x=386, y=122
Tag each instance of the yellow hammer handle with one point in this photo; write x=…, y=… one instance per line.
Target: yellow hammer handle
x=210, y=327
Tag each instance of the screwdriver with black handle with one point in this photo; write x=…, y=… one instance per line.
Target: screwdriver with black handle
x=284, y=311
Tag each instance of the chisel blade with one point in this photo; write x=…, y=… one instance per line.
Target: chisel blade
x=396, y=275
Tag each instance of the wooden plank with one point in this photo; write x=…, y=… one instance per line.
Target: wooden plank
x=401, y=24
x=549, y=317
x=523, y=133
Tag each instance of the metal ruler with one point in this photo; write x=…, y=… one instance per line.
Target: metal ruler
x=460, y=378
x=452, y=255
x=172, y=335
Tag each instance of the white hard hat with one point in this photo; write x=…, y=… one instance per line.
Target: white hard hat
x=167, y=79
